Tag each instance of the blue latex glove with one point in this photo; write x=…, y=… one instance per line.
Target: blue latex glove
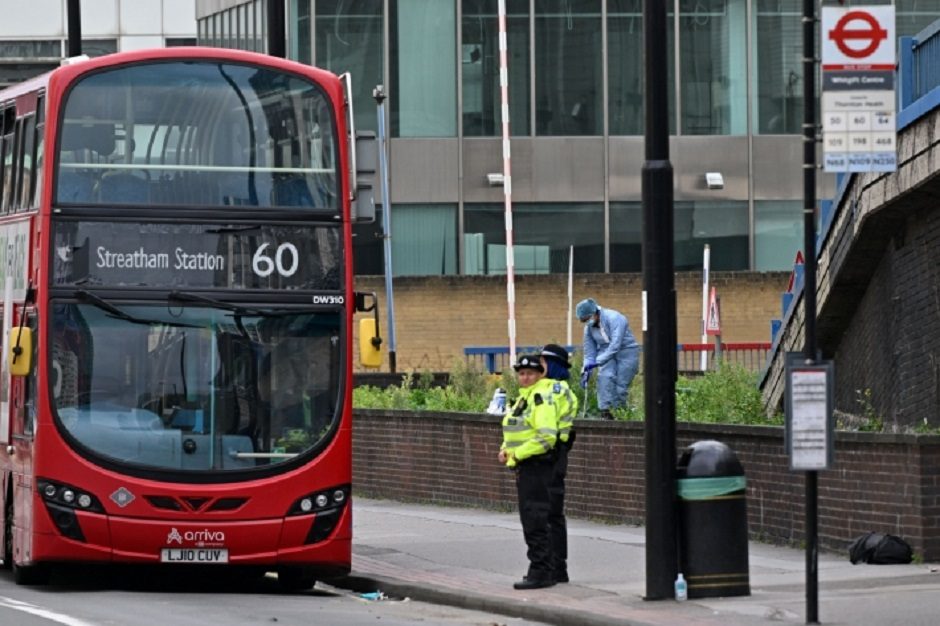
x=585, y=377
x=589, y=364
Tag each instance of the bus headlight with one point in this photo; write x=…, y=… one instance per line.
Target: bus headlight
x=331, y=498
x=55, y=493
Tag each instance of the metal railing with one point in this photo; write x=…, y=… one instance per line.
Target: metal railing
x=749, y=355
x=918, y=70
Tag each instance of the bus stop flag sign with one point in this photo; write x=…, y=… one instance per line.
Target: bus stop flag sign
x=858, y=102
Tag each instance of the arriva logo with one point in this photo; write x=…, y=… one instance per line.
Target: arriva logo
x=199, y=536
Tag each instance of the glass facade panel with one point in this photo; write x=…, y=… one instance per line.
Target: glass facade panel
x=713, y=66
x=299, y=24
x=625, y=68
x=568, y=73
x=99, y=47
x=424, y=239
x=423, y=62
x=911, y=16
x=349, y=39
x=778, y=234
x=722, y=225
x=368, y=251
x=542, y=236
x=626, y=237
x=779, y=81
x=480, y=63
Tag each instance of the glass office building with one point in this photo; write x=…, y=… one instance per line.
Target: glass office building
x=575, y=74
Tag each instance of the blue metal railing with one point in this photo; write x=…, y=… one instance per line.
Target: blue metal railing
x=751, y=355
x=918, y=74
x=496, y=358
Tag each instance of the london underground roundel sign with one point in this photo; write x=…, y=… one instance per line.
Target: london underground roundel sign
x=860, y=36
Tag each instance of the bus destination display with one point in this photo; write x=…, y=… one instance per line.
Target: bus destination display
x=197, y=256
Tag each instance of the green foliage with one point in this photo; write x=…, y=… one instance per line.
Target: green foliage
x=728, y=395
x=469, y=391
x=872, y=421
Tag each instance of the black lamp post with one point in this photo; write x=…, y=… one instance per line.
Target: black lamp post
x=659, y=343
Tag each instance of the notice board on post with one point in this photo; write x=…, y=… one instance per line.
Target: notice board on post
x=809, y=414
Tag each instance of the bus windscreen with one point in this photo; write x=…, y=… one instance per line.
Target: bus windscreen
x=177, y=387
x=197, y=134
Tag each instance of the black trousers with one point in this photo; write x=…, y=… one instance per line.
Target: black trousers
x=557, y=526
x=533, y=477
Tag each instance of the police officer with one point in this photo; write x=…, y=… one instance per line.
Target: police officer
x=554, y=359
x=530, y=430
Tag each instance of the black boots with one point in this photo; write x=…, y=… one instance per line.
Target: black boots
x=533, y=583
x=606, y=415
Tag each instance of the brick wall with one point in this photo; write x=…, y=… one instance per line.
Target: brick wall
x=436, y=317
x=892, y=344
x=878, y=296
x=886, y=483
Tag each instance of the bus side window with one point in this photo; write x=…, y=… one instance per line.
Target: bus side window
x=7, y=160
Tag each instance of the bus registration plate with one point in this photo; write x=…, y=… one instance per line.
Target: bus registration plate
x=194, y=555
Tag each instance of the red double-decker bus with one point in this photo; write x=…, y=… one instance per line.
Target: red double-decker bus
x=175, y=249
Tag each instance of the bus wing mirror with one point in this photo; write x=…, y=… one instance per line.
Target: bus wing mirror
x=20, y=356
x=370, y=341
x=370, y=344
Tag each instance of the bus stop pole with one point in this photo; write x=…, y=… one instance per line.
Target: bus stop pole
x=809, y=284
x=379, y=94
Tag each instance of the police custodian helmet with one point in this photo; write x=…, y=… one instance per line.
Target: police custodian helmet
x=528, y=362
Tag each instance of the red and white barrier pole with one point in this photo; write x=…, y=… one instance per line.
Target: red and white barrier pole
x=507, y=179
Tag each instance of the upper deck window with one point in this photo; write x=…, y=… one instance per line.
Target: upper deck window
x=201, y=134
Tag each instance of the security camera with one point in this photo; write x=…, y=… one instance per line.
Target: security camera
x=714, y=180
x=495, y=179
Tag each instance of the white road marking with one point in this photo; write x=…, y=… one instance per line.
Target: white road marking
x=38, y=611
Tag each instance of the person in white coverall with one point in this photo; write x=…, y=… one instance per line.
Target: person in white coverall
x=610, y=347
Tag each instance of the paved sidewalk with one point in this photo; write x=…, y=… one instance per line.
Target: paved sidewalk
x=470, y=558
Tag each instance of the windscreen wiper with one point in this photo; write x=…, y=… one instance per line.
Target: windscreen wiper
x=180, y=296
x=104, y=305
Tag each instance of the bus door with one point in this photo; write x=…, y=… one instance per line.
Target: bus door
x=7, y=324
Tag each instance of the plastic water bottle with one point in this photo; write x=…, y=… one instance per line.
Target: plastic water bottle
x=682, y=592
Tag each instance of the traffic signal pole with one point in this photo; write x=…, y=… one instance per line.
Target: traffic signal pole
x=659, y=342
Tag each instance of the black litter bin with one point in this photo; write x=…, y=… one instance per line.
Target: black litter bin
x=712, y=521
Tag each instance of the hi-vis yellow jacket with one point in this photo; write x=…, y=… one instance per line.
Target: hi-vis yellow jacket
x=530, y=428
x=567, y=405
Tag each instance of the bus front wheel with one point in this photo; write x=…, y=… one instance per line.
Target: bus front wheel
x=295, y=578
